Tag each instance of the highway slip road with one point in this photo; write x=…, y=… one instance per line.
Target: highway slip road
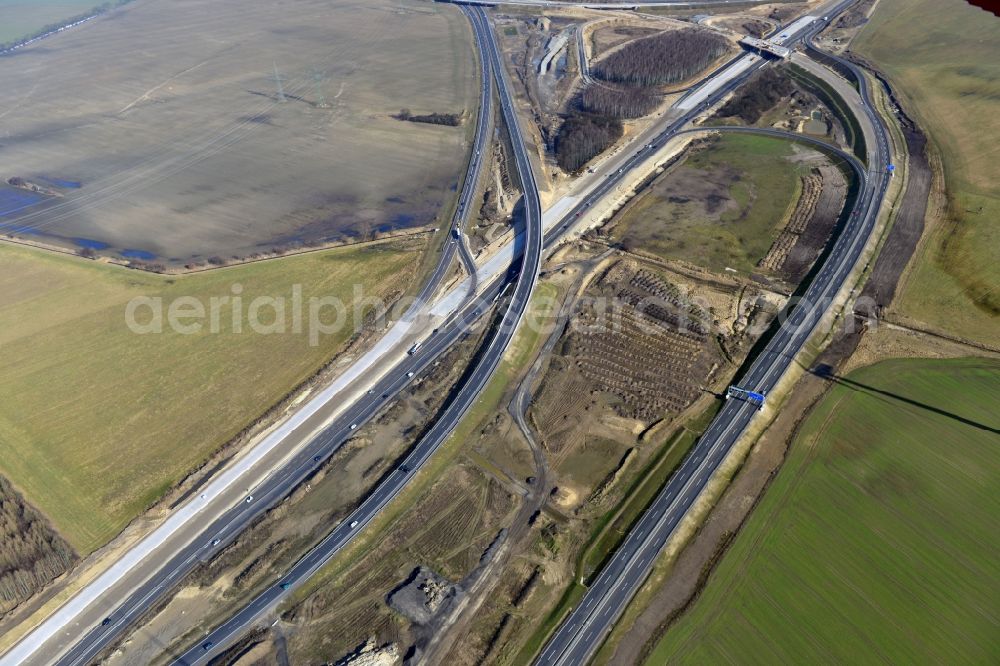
x=476, y=381
x=585, y=628
x=297, y=446
x=455, y=240
x=219, y=509
x=718, y=85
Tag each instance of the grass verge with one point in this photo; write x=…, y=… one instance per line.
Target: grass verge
x=614, y=525
x=825, y=92
x=937, y=53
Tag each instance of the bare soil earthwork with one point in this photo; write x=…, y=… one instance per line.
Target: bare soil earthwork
x=636, y=347
x=614, y=392
x=159, y=131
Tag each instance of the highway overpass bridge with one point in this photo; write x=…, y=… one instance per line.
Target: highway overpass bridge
x=766, y=46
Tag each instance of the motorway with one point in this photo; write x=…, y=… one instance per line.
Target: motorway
x=625, y=4
x=227, y=633
x=235, y=626
x=477, y=380
x=585, y=628
x=292, y=471
x=97, y=635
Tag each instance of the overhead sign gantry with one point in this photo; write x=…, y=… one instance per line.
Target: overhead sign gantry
x=753, y=397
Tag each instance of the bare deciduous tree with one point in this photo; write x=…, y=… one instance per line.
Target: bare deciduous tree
x=661, y=59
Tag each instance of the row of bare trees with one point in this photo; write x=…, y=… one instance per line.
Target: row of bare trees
x=450, y=119
x=51, y=28
x=581, y=137
x=31, y=553
x=618, y=101
x=662, y=59
x=765, y=90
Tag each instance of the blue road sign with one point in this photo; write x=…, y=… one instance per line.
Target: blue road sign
x=750, y=396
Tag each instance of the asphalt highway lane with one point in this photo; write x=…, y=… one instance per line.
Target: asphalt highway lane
x=586, y=626
x=230, y=631
x=289, y=476
x=280, y=483
x=598, y=4
x=463, y=208
x=285, y=478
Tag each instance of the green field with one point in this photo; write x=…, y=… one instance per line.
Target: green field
x=20, y=18
x=722, y=208
x=944, y=58
x=877, y=540
x=96, y=421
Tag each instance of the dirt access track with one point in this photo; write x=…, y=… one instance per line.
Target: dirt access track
x=160, y=131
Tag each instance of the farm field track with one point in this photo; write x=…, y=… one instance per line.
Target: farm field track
x=97, y=422
x=943, y=58
x=184, y=151
x=722, y=207
x=876, y=541
x=20, y=18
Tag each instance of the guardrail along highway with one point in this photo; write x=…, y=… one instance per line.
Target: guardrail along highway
x=477, y=379
x=75, y=634
x=586, y=626
x=51, y=641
